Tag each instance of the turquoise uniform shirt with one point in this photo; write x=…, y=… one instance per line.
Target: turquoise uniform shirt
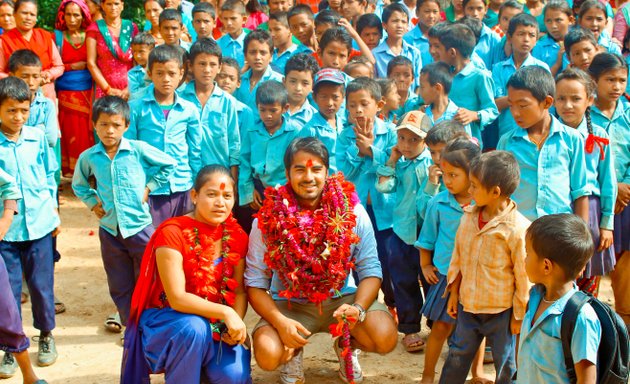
x=439, y=228
x=546, y=49
x=30, y=162
x=121, y=182
x=383, y=55
x=179, y=136
x=262, y=157
x=486, y=43
x=186, y=19
x=318, y=127
x=278, y=62
x=362, y=170
x=618, y=129
x=234, y=48
x=540, y=19
x=501, y=73
x=540, y=356
x=245, y=116
x=137, y=82
x=404, y=182
x=606, y=42
x=473, y=89
x=417, y=39
x=449, y=114
x=551, y=177
x=219, y=126
x=8, y=189
x=497, y=54
x=248, y=96
x=303, y=115
x=43, y=115
x=491, y=18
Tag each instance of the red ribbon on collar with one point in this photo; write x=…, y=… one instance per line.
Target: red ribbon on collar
x=591, y=140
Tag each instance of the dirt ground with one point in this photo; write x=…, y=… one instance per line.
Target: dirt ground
x=88, y=354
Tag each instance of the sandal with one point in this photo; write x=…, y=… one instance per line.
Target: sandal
x=59, y=306
x=23, y=297
x=113, y=323
x=413, y=342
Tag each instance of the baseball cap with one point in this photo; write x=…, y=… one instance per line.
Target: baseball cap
x=417, y=122
x=329, y=75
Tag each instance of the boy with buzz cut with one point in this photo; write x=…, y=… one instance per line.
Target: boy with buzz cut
x=521, y=35
x=472, y=89
x=284, y=47
x=302, y=24
x=204, y=20
x=172, y=27
x=298, y=80
x=257, y=48
x=558, y=247
x=486, y=279
x=395, y=23
x=264, y=143
x=170, y=124
x=550, y=154
x=233, y=17
x=120, y=203
x=141, y=45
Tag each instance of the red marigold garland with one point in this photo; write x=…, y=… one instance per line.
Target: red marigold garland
x=342, y=329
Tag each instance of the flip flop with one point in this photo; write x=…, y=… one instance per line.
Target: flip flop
x=59, y=306
x=113, y=323
x=413, y=342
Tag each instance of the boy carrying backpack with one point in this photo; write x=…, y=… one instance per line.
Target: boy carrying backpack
x=566, y=336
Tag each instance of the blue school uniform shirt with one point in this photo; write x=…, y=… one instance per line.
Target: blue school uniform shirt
x=30, y=161
x=43, y=116
x=179, y=136
x=219, y=126
x=8, y=189
x=487, y=40
x=137, y=82
x=449, y=114
x=439, y=229
x=404, y=181
x=121, y=183
x=546, y=49
x=540, y=19
x=551, y=177
x=234, y=47
x=412, y=103
x=245, y=116
x=383, y=55
x=473, y=89
x=540, y=356
x=319, y=127
x=606, y=42
x=262, y=157
x=247, y=96
x=497, y=54
x=303, y=115
x=279, y=62
x=417, y=39
x=618, y=129
x=501, y=73
x=478, y=61
x=362, y=170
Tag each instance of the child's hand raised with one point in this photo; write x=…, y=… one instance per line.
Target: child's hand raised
x=434, y=174
x=394, y=157
x=98, y=210
x=365, y=136
x=346, y=24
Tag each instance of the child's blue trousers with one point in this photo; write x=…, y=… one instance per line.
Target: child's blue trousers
x=382, y=240
x=404, y=268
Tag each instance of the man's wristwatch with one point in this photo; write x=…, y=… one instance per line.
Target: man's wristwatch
x=362, y=312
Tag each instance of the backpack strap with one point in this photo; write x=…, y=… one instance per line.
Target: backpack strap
x=569, y=318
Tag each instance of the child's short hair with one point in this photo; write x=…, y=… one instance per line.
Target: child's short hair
x=302, y=62
x=234, y=6
x=439, y=29
x=475, y=25
x=522, y=20
x=369, y=20
x=510, y=4
x=203, y=7
x=259, y=35
x=460, y=152
x=300, y=9
x=460, y=37
x=336, y=34
x=204, y=45
x=558, y=5
x=170, y=14
x=439, y=73
x=23, y=58
x=604, y=62
x=164, y=53
x=161, y=3
x=15, y=89
x=111, y=105
x=497, y=169
x=386, y=85
x=280, y=17
x=357, y=62
x=592, y=4
x=563, y=238
x=271, y=92
x=445, y=131
x=420, y=3
x=537, y=80
x=231, y=62
x=390, y=9
x=144, y=38
x=365, y=84
x=327, y=17
x=399, y=61
x=578, y=34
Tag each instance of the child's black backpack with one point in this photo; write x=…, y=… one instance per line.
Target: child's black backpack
x=613, y=355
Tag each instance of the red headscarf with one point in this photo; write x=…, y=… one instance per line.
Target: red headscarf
x=60, y=23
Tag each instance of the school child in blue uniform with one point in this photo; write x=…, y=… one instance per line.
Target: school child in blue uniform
x=400, y=69
x=558, y=20
x=477, y=9
x=284, y=46
x=172, y=27
x=299, y=74
x=233, y=16
x=141, y=45
x=428, y=13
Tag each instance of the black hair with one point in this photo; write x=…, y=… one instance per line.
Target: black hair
x=234, y=6
x=204, y=45
x=311, y=145
x=537, y=80
x=204, y=7
x=460, y=152
x=280, y=17
x=259, y=35
x=253, y=6
x=592, y=4
x=558, y=5
x=369, y=20
x=143, y=38
x=15, y=89
x=365, y=84
x=336, y=34
x=386, y=85
x=357, y=62
x=605, y=62
x=439, y=73
x=328, y=16
x=475, y=25
x=420, y=3
x=111, y=105
x=161, y=3
x=445, y=131
x=231, y=62
x=302, y=62
x=626, y=42
x=23, y=58
x=510, y=4
x=271, y=92
x=398, y=61
x=565, y=240
x=522, y=20
x=497, y=169
x=164, y=53
x=170, y=14
x=460, y=37
x=586, y=80
x=19, y=3
x=465, y=3
x=389, y=10
x=439, y=29
x=578, y=34
x=207, y=172
x=300, y=9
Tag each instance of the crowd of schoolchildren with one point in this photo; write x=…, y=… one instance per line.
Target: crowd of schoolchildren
x=459, y=124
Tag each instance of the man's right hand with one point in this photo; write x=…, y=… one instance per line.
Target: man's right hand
x=292, y=333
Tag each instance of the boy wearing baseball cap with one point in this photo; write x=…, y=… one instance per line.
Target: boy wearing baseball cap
x=328, y=94
x=405, y=174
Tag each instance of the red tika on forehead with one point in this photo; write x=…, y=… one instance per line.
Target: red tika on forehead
x=309, y=163
x=222, y=186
